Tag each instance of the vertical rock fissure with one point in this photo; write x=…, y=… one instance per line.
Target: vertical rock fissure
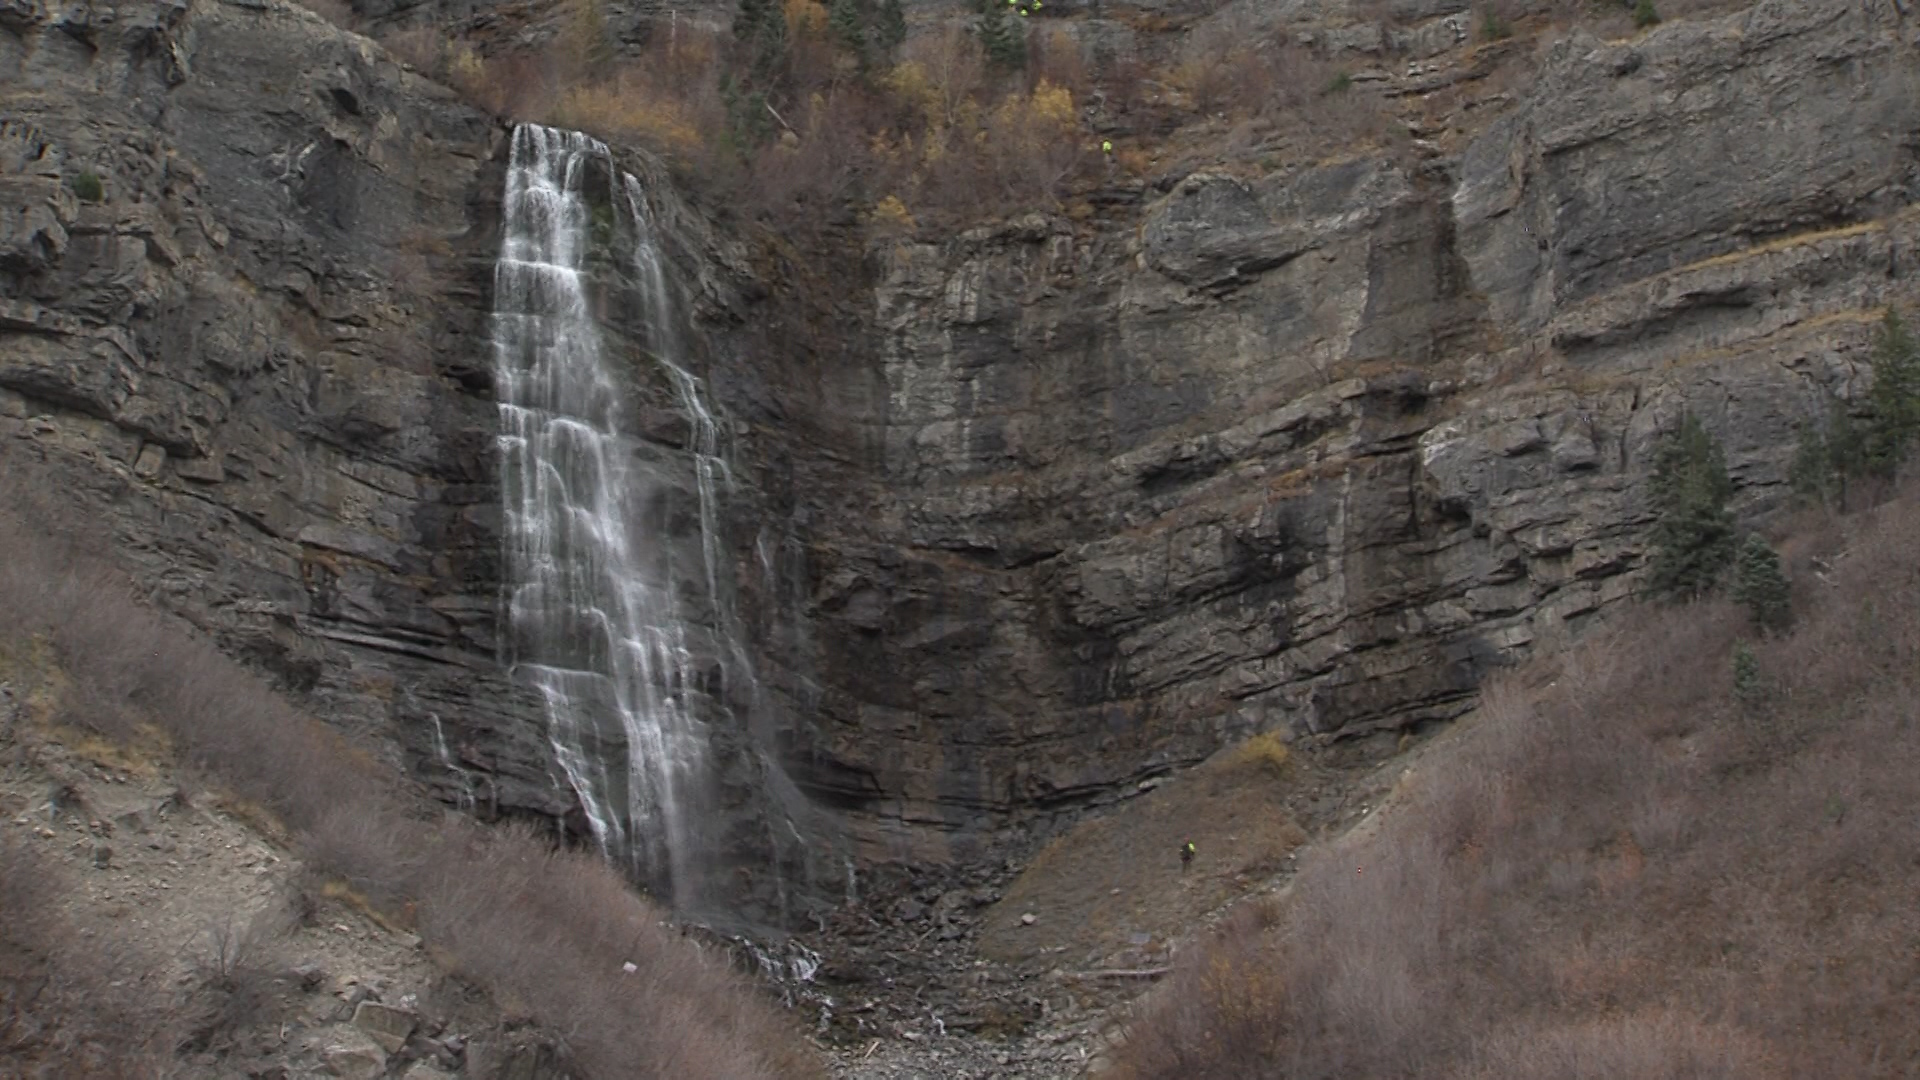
x=623, y=625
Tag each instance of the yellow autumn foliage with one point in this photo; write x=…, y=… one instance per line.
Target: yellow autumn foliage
x=890, y=215
x=911, y=86
x=805, y=18
x=612, y=111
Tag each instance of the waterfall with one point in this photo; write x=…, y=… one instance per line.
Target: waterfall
x=621, y=620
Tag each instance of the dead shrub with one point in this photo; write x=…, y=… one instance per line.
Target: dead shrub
x=238, y=987
x=1216, y=1010
x=518, y=86
x=231, y=944
x=499, y=904
x=68, y=1005
x=810, y=176
x=1224, y=70
x=1647, y=1046
x=544, y=928
x=1602, y=874
x=1057, y=59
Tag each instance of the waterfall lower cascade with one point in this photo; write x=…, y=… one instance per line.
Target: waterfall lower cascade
x=618, y=598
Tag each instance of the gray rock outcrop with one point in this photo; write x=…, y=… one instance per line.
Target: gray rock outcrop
x=257, y=364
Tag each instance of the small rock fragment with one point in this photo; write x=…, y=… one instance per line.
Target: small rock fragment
x=310, y=976
x=151, y=460
x=102, y=856
x=1029, y=919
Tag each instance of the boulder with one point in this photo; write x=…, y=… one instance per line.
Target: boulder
x=352, y=1055
x=385, y=1024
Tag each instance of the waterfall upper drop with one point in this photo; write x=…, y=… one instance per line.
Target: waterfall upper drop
x=619, y=607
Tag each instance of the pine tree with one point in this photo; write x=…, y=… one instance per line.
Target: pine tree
x=1747, y=684
x=1693, y=533
x=849, y=27
x=1760, y=587
x=1894, y=397
x=760, y=32
x=748, y=123
x=889, y=28
x=1001, y=35
x=1827, y=456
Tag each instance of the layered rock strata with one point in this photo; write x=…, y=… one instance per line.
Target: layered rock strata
x=1026, y=515
x=1314, y=450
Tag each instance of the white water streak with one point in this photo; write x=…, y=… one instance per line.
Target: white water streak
x=595, y=622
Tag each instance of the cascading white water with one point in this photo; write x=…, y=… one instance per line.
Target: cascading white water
x=599, y=620
x=462, y=776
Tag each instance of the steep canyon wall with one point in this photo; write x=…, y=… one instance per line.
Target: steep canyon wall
x=1034, y=512
x=1314, y=449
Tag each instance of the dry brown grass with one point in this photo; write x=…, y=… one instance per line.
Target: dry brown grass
x=543, y=928
x=1626, y=872
x=1111, y=879
x=554, y=929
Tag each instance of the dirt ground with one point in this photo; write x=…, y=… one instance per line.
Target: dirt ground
x=967, y=986
x=1112, y=894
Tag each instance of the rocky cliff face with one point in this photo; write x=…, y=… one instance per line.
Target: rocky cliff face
x=1052, y=508
x=1315, y=449
x=257, y=360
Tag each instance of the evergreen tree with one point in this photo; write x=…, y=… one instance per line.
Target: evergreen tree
x=1827, y=456
x=1760, y=587
x=849, y=27
x=1693, y=533
x=748, y=123
x=1894, y=397
x=889, y=28
x=760, y=33
x=1644, y=14
x=1002, y=35
x=1747, y=684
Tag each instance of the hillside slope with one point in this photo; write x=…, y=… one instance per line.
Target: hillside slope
x=199, y=879
x=1621, y=866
